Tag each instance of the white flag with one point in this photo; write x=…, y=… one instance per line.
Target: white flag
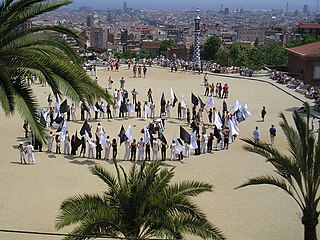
x=179, y=147
x=91, y=143
x=171, y=94
x=236, y=106
x=56, y=109
x=146, y=134
x=217, y=120
x=245, y=111
x=193, y=140
x=128, y=133
x=64, y=130
x=103, y=139
x=210, y=102
x=183, y=102
x=146, y=111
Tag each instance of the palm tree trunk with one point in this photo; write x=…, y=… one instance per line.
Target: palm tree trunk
x=310, y=222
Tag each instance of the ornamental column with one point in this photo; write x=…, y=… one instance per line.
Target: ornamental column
x=196, y=48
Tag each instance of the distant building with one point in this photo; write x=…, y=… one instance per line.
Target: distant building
x=304, y=62
x=99, y=37
x=226, y=11
x=309, y=28
x=153, y=46
x=180, y=51
x=305, y=9
x=250, y=34
x=125, y=7
x=92, y=20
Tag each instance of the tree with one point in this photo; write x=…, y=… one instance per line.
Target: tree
x=210, y=48
x=298, y=173
x=255, y=57
x=165, y=44
x=275, y=54
x=237, y=55
x=222, y=57
x=146, y=53
x=26, y=52
x=139, y=203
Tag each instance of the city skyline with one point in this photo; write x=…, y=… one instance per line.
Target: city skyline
x=202, y=4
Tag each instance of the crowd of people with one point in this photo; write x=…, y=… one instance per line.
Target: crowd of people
x=213, y=132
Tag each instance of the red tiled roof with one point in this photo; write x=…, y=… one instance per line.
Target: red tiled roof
x=307, y=50
x=309, y=25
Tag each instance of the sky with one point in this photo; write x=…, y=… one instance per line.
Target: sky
x=202, y=4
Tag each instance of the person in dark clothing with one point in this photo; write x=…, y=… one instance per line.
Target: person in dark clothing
x=210, y=142
x=25, y=127
x=194, y=112
x=73, y=145
x=180, y=156
x=109, y=111
x=164, y=147
x=198, y=150
x=138, y=109
x=179, y=111
x=82, y=112
x=68, y=113
x=98, y=149
x=133, y=150
x=83, y=146
x=148, y=146
x=114, y=148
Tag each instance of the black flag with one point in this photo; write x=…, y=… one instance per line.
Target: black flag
x=77, y=142
x=202, y=105
x=194, y=99
x=151, y=137
x=60, y=126
x=184, y=135
x=58, y=120
x=216, y=133
x=122, y=135
x=163, y=101
x=99, y=107
x=85, y=127
x=64, y=106
x=163, y=139
x=175, y=100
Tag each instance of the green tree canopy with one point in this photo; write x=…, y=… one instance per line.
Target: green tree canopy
x=140, y=203
x=297, y=173
x=165, y=44
x=36, y=52
x=222, y=57
x=210, y=48
x=237, y=55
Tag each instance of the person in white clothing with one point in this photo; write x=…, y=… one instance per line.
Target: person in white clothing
x=90, y=150
x=126, y=150
x=204, y=143
x=168, y=109
x=141, y=150
x=155, y=149
x=107, y=149
x=73, y=113
x=29, y=150
x=187, y=150
x=184, y=113
x=173, y=150
x=66, y=145
x=256, y=135
x=50, y=142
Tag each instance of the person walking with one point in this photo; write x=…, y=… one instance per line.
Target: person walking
x=272, y=132
x=22, y=153
x=263, y=113
x=29, y=151
x=256, y=135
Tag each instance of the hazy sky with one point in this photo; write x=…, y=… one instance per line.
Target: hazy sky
x=204, y=4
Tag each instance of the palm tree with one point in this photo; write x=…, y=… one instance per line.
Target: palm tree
x=297, y=173
x=138, y=204
x=36, y=52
